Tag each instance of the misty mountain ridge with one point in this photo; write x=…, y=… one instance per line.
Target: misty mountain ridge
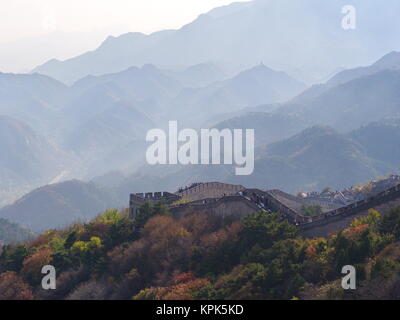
x=315, y=158
x=27, y=155
x=58, y=205
x=258, y=85
x=309, y=45
x=207, y=72
x=100, y=122
x=349, y=105
x=389, y=61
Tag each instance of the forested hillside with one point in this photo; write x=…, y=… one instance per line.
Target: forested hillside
x=158, y=256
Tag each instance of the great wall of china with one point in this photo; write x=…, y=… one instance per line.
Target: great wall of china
x=234, y=200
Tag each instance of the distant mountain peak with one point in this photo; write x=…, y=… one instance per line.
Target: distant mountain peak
x=390, y=60
x=261, y=67
x=217, y=36
x=149, y=67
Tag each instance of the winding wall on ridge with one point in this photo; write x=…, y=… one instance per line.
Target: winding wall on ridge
x=236, y=201
x=340, y=218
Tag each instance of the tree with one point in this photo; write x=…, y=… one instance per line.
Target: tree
x=312, y=210
x=33, y=264
x=390, y=223
x=89, y=253
x=12, y=258
x=148, y=210
x=264, y=229
x=372, y=219
x=12, y=287
x=326, y=190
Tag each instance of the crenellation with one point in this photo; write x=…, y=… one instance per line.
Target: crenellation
x=216, y=197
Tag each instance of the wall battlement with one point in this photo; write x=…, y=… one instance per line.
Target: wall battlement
x=138, y=199
x=209, y=190
x=225, y=199
x=347, y=213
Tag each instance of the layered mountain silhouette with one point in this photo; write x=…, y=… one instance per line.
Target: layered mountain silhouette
x=316, y=158
x=268, y=127
x=381, y=140
x=58, y=205
x=31, y=98
x=242, y=66
x=26, y=157
x=304, y=38
x=101, y=121
x=313, y=159
x=389, y=61
x=254, y=86
x=357, y=99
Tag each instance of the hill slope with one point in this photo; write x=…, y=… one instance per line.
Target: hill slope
x=352, y=104
x=27, y=156
x=58, y=205
x=381, y=140
x=12, y=232
x=254, y=86
x=389, y=61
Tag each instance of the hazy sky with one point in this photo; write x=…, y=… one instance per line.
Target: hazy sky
x=21, y=18
x=35, y=31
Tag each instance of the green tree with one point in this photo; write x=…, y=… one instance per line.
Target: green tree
x=12, y=258
x=312, y=210
x=264, y=229
x=390, y=223
x=148, y=210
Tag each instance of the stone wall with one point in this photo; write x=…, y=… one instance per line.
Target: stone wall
x=235, y=201
x=235, y=207
x=210, y=190
x=341, y=218
x=274, y=203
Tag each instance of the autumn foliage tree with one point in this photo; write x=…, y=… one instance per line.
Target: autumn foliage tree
x=13, y=287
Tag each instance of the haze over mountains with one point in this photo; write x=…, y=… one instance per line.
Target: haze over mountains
x=12, y=232
x=41, y=48
x=230, y=68
x=303, y=38
x=349, y=105
x=100, y=123
x=58, y=205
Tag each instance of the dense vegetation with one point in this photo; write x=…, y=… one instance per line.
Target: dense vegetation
x=158, y=256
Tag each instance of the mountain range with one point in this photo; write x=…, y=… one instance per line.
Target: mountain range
x=316, y=158
x=305, y=39
x=326, y=136
x=75, y=144
x=59, y=205
x=99, y=124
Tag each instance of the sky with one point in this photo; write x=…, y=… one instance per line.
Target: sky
x=27, y=18
x=35, y=31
